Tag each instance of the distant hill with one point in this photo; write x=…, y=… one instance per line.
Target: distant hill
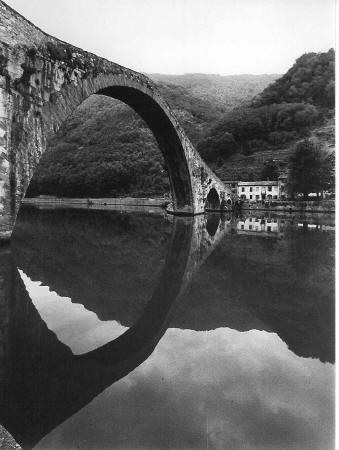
x=105, y=149
x=223, y=92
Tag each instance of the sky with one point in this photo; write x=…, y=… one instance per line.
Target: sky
x=190, y=36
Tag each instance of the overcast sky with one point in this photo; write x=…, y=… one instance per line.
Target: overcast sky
x=184, y=36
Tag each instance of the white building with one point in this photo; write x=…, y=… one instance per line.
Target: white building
x=258, y=190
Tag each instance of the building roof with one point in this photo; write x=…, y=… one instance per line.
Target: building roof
x=258, y=183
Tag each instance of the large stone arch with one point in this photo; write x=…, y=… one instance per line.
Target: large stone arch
x=43, y=80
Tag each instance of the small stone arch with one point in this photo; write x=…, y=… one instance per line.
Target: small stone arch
x=212, y=201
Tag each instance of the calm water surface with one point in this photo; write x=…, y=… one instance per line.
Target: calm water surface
x=135, y=330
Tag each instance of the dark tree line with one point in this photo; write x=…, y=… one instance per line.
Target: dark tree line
x=248, y=130
x=311, y=169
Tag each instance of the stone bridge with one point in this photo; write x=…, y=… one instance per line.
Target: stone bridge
x=43, y=80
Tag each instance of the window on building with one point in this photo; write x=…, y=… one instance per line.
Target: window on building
x=269, y=229
x=242, y=227
x=257, y=188
x=243, y=189
x=257, y=197
x=269, y=188
x=250, y=227
x=251, y=189
x=275, y=197
x=250, y=197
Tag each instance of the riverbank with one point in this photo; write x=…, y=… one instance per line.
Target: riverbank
x=321, y=206
x=127, y=201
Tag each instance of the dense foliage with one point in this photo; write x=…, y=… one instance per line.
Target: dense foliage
x=310, y=80
x=284, y=112
x=250, y=129
x=311, y=169
x=270, y=171
x=105, y=149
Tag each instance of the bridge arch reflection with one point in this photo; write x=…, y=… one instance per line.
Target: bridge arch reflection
x=43, y=382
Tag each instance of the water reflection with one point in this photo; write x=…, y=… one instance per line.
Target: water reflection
x=245, y=360
x=74, y=325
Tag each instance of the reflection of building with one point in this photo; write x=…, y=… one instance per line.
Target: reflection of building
x=262, y=225
x=276, y=226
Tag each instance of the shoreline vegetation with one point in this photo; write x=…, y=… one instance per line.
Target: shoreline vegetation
x=287, y=206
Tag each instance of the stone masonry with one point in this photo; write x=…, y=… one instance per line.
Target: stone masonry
x=43, y=80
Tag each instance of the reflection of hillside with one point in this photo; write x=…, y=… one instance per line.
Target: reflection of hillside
x=283, y=285
x=109, y=263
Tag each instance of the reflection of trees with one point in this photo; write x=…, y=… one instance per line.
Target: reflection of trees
x=110, y=263
x=281, y=285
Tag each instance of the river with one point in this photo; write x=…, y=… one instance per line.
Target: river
x=138, y=330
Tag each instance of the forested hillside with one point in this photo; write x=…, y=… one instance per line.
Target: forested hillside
x=292, y=108
x=223, y=92
x=105, y=149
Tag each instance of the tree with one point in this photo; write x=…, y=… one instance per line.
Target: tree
x=221, y=145
x=311, y=169
x=270, y=170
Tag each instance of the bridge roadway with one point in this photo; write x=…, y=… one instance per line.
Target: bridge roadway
x=43, y=80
